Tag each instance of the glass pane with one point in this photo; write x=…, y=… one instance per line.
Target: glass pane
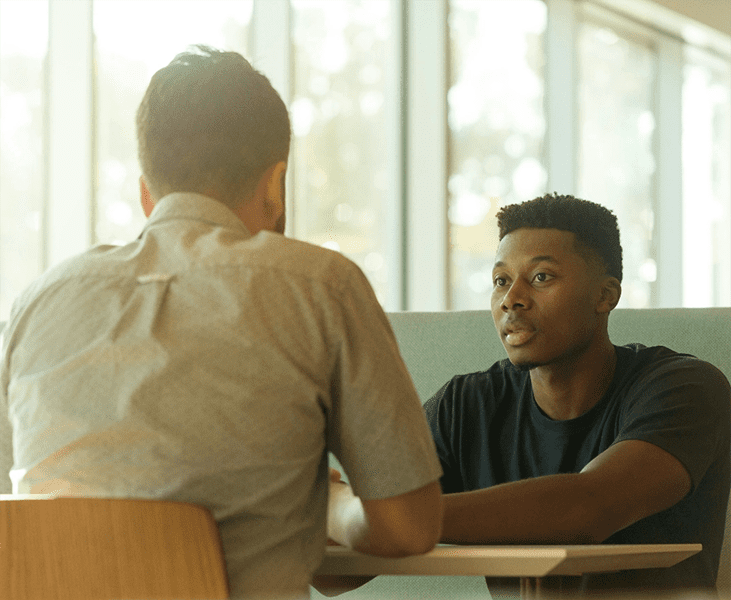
x=706, y=181
x=497, y=125
x=342, y=193
x=23, y=46
x=124, y=70
x=615, y=159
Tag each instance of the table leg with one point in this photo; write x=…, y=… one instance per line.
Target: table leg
x=504, y=588
x=555, y=587
x=530, y=588
x=549, y=588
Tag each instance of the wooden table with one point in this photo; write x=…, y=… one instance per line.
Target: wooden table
x=531, y=564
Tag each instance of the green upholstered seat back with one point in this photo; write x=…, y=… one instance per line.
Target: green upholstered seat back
x=438, y=345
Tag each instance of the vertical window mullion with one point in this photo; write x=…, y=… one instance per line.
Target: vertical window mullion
x=270, y=53
x=668, y=199
x=426, y=230
x=396, y=110
x=561, y=90
x=70, y=121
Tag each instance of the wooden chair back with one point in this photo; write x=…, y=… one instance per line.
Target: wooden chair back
x=104, y=548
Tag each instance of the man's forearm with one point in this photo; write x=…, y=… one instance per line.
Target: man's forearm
x=402, y=525
x=627, y=482
x=348, y=524
x=545, y=510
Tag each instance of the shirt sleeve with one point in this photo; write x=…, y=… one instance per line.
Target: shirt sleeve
x=683, y=406
x=376, y=429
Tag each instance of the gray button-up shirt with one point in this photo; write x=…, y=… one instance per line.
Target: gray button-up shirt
x=202, y=364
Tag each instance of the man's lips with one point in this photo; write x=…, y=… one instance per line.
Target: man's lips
x=518, y=334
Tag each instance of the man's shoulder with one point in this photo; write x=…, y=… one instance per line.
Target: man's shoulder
x=308, y=254
x=640, y=359
x=72, y=267
x=500, y=380
x=650, y=353
x=654, y=371
x=303, y=260
x=499, y=370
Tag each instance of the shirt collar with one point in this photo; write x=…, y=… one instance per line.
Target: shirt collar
x=196, y=207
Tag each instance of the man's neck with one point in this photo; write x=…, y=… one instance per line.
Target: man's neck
x=569, y=388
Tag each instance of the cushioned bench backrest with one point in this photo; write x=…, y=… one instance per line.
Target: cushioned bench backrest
x=437, y=346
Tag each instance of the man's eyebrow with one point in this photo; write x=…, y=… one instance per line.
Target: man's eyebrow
x=535, y=259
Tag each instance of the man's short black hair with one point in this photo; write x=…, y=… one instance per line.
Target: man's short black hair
x=210, y=122
x=594, y=225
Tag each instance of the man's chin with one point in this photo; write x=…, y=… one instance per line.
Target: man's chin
x=524, y=365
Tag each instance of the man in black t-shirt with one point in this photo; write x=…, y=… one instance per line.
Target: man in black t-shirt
x=573, y=439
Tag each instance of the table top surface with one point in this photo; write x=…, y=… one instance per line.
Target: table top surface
x=510, y=561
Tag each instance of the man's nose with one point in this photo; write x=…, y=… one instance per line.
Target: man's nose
x=516, y=296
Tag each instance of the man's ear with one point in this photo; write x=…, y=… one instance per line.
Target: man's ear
x=271, y=192
x=611, y=292
x=146, y=198
x=265, y=208
x=273, y=180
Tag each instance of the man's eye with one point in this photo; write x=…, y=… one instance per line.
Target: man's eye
x=499, y=281
x=542, y=277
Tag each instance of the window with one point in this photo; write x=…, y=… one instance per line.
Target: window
x=340, y=152
x=23, y=45
x=706, y=180
x=497, y=124
x=616, y=162
x=123, y=71
x=413, y=122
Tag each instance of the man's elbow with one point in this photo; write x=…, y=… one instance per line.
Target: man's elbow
x=596, y=521
x=407, y=525
x=421, y=540
x=425, y=535
x=428, y=541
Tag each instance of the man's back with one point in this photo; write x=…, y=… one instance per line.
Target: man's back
x=204, y=365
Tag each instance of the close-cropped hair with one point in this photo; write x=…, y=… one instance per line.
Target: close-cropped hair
x=209, y=122
x=594, y=225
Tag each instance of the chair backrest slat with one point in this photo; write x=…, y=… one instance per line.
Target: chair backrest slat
x=99, y=548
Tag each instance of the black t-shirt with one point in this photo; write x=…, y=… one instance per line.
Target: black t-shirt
x=489, y=430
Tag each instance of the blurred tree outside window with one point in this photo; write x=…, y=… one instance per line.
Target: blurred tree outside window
x=345, y=70
x=339, y=147
x=706, y=150
x=615, y=159
x=497, y=126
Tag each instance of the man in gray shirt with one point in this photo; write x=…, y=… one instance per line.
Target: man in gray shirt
x=215, y=361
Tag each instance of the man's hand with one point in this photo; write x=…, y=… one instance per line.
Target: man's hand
x=334, y=585
x=345, y=515
x=335, y=476
x=398, y=526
